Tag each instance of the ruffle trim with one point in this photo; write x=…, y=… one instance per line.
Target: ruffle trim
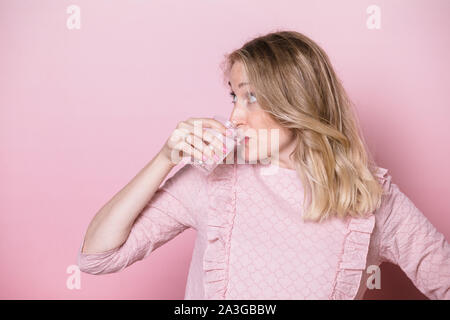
x=353, y=258
x=385, y=178
x=222, y=205
x=356, y=246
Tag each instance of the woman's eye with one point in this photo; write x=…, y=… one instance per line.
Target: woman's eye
x=252, y=96
x=233, y=96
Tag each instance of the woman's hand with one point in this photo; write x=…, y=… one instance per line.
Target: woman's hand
x=191, y=139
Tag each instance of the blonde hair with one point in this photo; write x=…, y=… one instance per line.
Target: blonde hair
x=294, y=82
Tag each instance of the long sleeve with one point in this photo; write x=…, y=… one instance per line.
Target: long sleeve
x=410, y=241
x=171, y=210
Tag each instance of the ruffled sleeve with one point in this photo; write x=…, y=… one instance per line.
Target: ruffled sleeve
x=409, y=240
x=353, y=257
x=222, y=201
x=170, y=211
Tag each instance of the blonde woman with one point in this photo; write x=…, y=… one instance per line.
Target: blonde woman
x=309, y=230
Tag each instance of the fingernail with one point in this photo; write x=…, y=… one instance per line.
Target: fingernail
x=204, y=158
x=216, y=157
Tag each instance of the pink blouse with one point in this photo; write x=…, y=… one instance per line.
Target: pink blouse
x=252, y=244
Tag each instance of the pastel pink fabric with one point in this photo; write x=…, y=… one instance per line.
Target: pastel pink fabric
x=252, y=244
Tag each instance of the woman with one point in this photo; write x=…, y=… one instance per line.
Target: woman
x=308, y=230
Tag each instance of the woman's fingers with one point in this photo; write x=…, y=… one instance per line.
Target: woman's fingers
x=198, y=144
x=208, y=123
x=196, y=138
x=214, y=143
x=216, y=146
x=189, y=150
x=207, y=150
x=191, y=145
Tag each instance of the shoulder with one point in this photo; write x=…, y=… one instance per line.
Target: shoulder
x=397, y=210
x=390, y=193
x=385, y=178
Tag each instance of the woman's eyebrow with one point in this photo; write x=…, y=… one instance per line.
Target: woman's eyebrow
x=239, y=85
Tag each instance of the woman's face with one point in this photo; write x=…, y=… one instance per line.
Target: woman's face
x=257, y=124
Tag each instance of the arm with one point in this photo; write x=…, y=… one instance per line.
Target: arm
x=413, y=243
x=171, y=210
x=112, y=224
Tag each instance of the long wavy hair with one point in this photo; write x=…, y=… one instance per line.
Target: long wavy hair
x=294, y=82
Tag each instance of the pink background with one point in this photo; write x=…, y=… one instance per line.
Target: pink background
x=82, y=111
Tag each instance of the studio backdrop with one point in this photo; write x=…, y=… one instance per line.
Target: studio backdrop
x=91, y=90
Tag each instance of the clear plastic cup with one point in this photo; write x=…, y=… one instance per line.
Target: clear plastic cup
x=230, y=142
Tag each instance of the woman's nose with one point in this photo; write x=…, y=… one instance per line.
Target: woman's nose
x=238, y=116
